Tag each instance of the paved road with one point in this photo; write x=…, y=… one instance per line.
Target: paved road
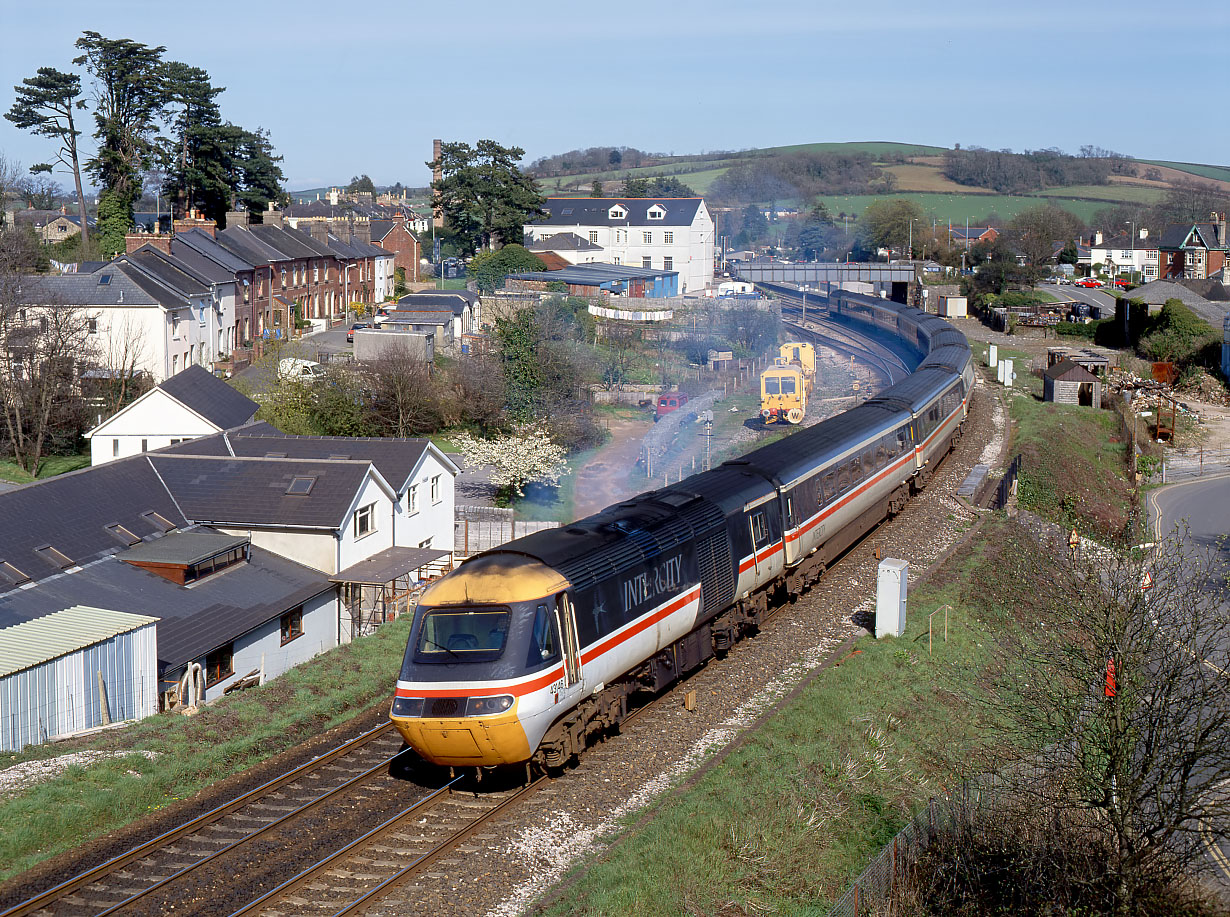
x=1104, y=302
x=1203, y=506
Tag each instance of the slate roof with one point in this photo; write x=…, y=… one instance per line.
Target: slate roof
x=155, y=288
x=196, y=246
x=395, y=458
x=381, y=228
x=192, y=622
x=564, y=242
x=203, y=392
x=594, y=211
x=243, y=243
x=1158, y=291
x=167, y=271
x=1175, y=235
x=43, y=217
x=422, y=302
x=229, y=491
x=416, y=317
x=70, y=512
x=85, y=289
x=1125, y=241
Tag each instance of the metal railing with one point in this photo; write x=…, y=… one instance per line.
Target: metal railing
x=1005, y=484
x=1194, y=464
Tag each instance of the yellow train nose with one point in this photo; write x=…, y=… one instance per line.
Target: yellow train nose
x=467, y=742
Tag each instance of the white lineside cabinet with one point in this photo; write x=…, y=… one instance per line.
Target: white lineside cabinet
x=890, y=597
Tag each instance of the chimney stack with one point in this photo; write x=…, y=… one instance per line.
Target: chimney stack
x=134, y=240
x=362, y=231
x=272, y=217
x=1097, y=237
x=194, y=221
x=320, y=231
x=237, y=218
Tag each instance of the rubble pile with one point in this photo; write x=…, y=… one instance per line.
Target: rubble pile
x=1149, y=395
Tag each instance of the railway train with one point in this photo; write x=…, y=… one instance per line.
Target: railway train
x=786, y=385
x=527, y=653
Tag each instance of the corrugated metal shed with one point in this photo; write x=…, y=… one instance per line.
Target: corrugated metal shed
x=32, y=642
x=75, y=669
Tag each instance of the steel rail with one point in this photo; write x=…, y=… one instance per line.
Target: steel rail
x=90, y=876
x=375, y=833
x=259, y=832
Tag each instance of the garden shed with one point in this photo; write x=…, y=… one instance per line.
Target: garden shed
x=73, y=670
x=1068, y=383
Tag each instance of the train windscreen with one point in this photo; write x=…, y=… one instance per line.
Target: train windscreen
x=462, y=634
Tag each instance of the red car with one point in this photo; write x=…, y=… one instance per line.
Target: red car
x=1088, y=282
x=1123, y=284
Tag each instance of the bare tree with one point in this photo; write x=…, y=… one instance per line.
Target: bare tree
x=43, y=345
x=121, y=365
x=403, y=397
x=1112, y=722
x=10, y=176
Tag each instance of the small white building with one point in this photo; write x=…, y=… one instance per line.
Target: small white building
x=670, y=234
x=189, y=405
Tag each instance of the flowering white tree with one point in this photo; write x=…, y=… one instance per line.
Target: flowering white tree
x=516, y=459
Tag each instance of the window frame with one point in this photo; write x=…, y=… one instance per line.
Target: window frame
x=293, y=618
x=223, y=655
x=435, y=490
x=365, y=514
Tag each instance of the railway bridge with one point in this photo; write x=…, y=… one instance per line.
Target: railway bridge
x=899, y=281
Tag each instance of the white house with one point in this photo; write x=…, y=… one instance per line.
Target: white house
x=191, y=404
x=411, y=489
x=671, y=234
x=135, y=319
x=1122, y=254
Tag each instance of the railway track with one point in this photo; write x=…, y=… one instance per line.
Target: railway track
x=152, y=877
x=838, y=337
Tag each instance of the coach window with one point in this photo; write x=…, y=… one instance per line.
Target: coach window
x=869, y=460
x=830, y=486
x=760, y=529
x=856, y=470
x=881, y=455
x=843, y=479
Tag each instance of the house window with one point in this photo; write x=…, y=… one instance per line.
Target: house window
x=593, y=236
x=175, y=326
x=283, y=278
x=365, y=520
x=413, y=500
x=435, y=489
x=668, y=264
x=316, y=273
x=656, y=213
x=668, y=238
x=648, y=237
x=220, y=664
x=144, y=445
x=617, y=260
x=174, y=363
x=425, y=544
x=646, y=262
x=292, y=625
x=115, y=448
x=92, y=326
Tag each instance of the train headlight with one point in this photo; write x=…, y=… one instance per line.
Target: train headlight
x=407, y=706
x=486, y=706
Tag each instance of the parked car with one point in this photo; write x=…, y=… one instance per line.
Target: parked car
x=357, y=326
x=1088, y=282
x=1123, y=284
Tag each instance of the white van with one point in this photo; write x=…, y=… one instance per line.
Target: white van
x=304, y=370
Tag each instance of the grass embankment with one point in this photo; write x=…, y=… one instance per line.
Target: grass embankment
x=51, y=466
x=192, y=752
x=785, y=823
x=1073, y=460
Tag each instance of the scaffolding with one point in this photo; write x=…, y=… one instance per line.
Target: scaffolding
x=385, y=586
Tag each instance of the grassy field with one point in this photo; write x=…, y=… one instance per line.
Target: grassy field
x=784, y=823
x=51, y=466
x=1220, y=173
x=224, y=738
x=1109, y=193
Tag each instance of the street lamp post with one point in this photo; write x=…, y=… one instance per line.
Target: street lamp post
x=1132, y=241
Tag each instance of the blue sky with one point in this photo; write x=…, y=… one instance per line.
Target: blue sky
x=353, y=88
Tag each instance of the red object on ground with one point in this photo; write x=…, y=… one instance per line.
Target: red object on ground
x=1110, y=677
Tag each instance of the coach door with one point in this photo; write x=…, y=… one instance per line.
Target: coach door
x=572, y=648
